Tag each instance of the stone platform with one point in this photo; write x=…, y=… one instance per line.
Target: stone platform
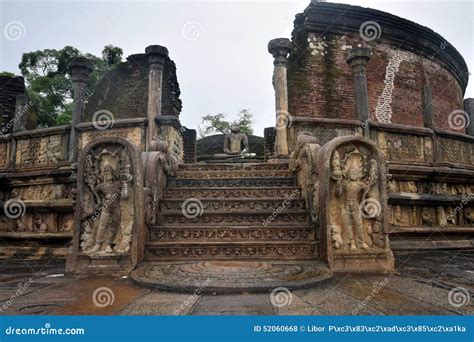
x=230, y=276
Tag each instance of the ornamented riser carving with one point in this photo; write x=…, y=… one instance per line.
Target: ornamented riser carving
x=38, y=222
x=239, y=205
x=231, y=174
x=249, y=219
x=245, y=182
x=291, y=251
x=433, y=216
x=42, y=192
x=251, y=167
x=426, y=187
x=233, y=193
x=232, y=234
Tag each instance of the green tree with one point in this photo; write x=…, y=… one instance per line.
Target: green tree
x=6, y=73
x=48, y=83
x=217, y=124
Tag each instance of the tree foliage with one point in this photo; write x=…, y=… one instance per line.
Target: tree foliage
x=49, y=85
x=217, y=124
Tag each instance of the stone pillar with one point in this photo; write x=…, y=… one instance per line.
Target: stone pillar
x=469, y=109
x=357, y=59
x=21, y=110
x=280, y=48
x=79, y=69
x=426, y=105
x=156, y=55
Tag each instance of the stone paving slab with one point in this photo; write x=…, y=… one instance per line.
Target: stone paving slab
x=162, y=303
x=421, y=286
x=237, y=304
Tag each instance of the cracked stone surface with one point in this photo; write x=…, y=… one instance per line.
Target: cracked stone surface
x=420, y=286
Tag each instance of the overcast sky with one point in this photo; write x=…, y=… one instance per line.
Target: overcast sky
x=220, y=47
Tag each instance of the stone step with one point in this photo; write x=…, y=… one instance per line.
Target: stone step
x=234, y=174
x=233, y=166
x=280, y=193
x=220, y=204
x=237, y=217
x=281, y=250
x=173, y=182
x=231, y=233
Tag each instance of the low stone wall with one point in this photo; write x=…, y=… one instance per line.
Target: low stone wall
x=431, y=184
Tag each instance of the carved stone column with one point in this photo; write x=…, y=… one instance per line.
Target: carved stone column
x=469, y=109
x=79, y=69
x=156, y=55
x=280, y=48
x=357, y=59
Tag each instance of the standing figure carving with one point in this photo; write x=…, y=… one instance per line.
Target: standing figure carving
x=107, y=210
x=354, y=178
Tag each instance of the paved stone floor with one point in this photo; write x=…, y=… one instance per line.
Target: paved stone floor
x=421, y=286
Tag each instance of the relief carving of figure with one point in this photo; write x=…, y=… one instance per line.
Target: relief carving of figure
x=353, y=182
x=108, y=220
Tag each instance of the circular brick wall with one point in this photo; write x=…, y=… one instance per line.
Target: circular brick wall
x=406, y=57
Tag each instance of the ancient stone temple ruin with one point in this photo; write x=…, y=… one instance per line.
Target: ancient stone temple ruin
x=372, y=151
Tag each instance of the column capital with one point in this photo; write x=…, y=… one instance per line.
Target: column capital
x=358, y=56
x=80, y=68
x=280, y=48
x=156, y=54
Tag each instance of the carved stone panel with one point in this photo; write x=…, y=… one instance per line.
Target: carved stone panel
x=109, y=208
x=354, y=206
x=456, y=151
x=42, y=151
x=3, y=155
x=132, y=134
x=402, y=147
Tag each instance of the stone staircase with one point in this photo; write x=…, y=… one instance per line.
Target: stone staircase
x=232, y=211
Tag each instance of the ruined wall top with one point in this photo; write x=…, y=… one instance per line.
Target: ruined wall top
x=124, y=90
x=407, y=62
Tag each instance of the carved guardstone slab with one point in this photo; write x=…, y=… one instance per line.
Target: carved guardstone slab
x=109, y=220
x=353, y=202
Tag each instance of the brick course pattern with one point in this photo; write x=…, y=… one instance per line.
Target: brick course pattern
x=320, y=83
